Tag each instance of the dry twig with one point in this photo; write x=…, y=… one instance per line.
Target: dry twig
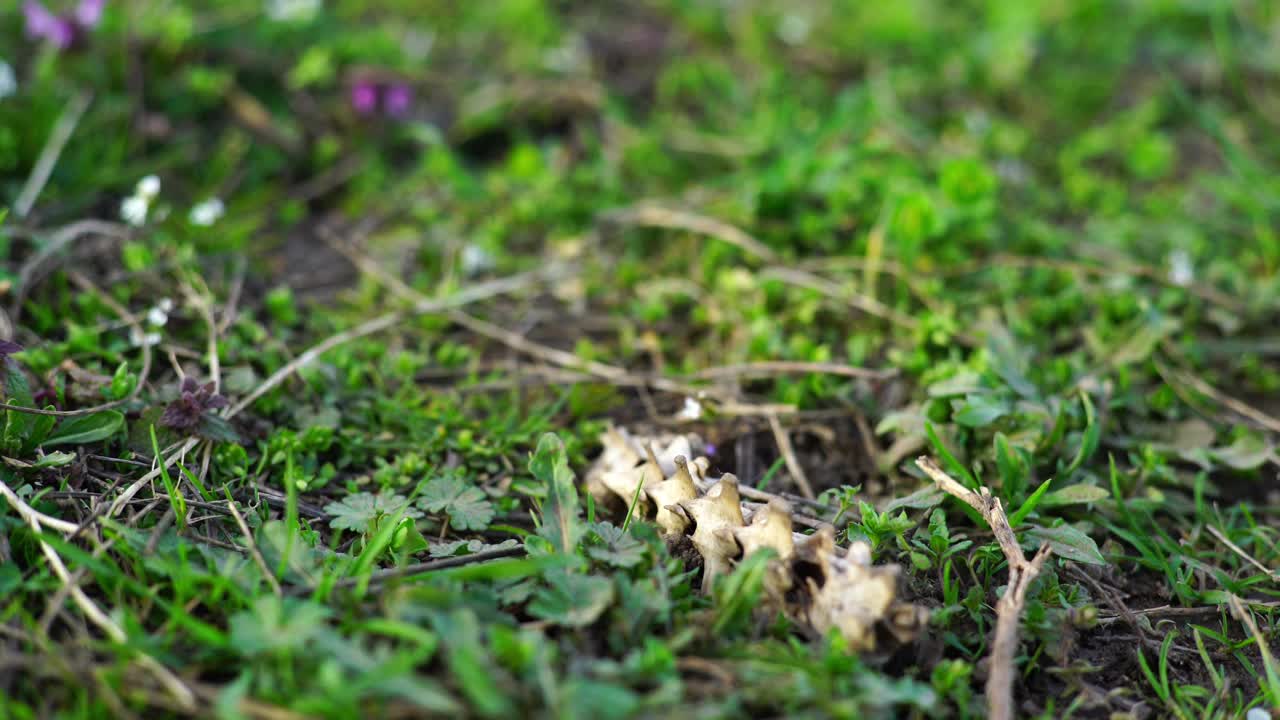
x=406, y=571
x=424, y=306
x=1245, y=616
x=660, y=217
x=1239, y=407
x=253, y=550
x=866, y=304
x=1222, y=537
x=62, y=131
x=789, y=456
x=783, y=367
x=1004, y=648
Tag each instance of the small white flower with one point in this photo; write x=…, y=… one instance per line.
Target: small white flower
x=207, y=213
x=1257, y=714
x=1181, y=271
x=692, y=410
x=292, y=10
x=134, y=210
x=148, y=187
x=8, y=81
x=140, y=339
x=157, y=317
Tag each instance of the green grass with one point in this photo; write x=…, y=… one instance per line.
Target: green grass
x=1050, y=225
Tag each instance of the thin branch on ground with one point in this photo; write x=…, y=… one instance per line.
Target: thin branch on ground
x=166, y=460
x=1264, y=648
x=200, y=298
x=1004, y=647
x=35, y=267
x=1127, y=267
x=868, y=305
x=1222, y=537
x=611, y=373
x=425, y=306
x=1169, y=611
x=655, y=216
x=1239, y=407
x=419, y=568
x=256, y=554
x=53, y=147
x=789, y=457
x=53, y=523
x=785, y=367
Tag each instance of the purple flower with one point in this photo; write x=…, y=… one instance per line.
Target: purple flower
x=393, y=99
x=42, y=24
x=364, y=97
x=189, y=408
x=61, y=31
x=396, y=99
x=89, y=13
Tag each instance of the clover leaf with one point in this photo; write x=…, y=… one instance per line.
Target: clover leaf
x=358, y=510
x=467, y=505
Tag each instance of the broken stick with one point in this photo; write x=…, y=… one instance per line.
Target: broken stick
x=1004, y=648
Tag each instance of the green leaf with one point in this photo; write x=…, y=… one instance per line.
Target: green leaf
x=38, y=428
x=1088, y=441
x=274, y=624
x=980, y=411
x=949, y=459
x=284, y=548
x=217, y=428
x=965, y=382
x=85, y=429
x=365, y=663
x=618, y=547
x=926, y=497
x=572, y=599
x=407, y=540
x=471, y=547
x=470, y=665
x=1013, y=471
x=17, y=391
x=177, y=500
x=737, y=595
x=17, y=424
x=1248, y=452
x=561, y=515
x=122, y=383
x=586, y=699
x=1139, y=344
x=358, y=511
x=467, y=505
x=1070, y=543
x=54, y=459
x=1078, y=494
x=1029, y=504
